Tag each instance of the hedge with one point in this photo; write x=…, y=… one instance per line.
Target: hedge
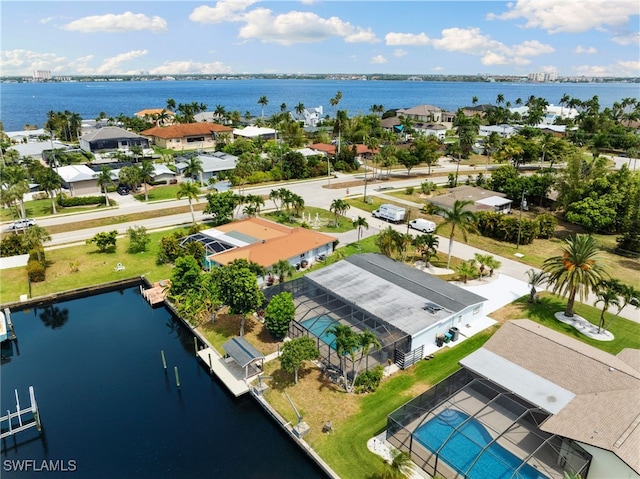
x=67, y=201
x=36, y=271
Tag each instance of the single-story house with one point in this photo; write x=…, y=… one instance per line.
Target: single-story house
x=36, y=149
x=254, y=132
x=483, y=200
x=504, y=130
x=152, y=113
x=306, y=152
x=111, y=138
x=262, y=241
x=552, y=113
x=79, y=180
x=408, y=310
x=162, y=173
x=212, y=163
x=540, y=404
x=391, y=123
x=24, y=136
x=435, y=129
x=187, y=136
x=211, y=117
x=362, y=151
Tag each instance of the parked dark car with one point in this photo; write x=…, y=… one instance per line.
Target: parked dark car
x=123, y=190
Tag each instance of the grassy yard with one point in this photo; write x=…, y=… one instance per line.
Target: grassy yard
x=41, y=208
x=325, y=220
x=92, y=266
x=158, y=193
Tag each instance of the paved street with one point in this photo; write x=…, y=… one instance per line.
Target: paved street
x=316, y=193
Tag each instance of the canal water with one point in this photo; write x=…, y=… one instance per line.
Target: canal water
x=109, y=408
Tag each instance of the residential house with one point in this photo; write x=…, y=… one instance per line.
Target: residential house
x=264, y=242
x=504, y=130
x=255, y=132
x=483, y=200
x=422, y=113
x=187, y=136
x=163, y=173
x=540, y=404
x=312, y=116
x=152, y=115
x=212, y=163
x=408, y=310
x=79, y=180
x=111, y=138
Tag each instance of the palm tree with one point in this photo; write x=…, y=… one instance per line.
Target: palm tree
x=346, y=343
x=35, y=237
x=193, y=168
x=50, y=182
x=467, y=269
x=146, y=175
x=427, y=246
x=190, y=191
x=300, y=110
x=577, y=270
x=387, y=241
x=338, y=208
x=360, y=223
x=608, y=296
x=104, y=181
x=535, y=280
x=263, y=101
x=282, y=270
x=400, y=467
x=483, y=261
x=457, y=217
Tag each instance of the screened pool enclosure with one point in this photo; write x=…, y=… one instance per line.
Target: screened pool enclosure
x=468, y=427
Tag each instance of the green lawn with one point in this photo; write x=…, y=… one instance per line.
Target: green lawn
x=159, y=193
x=93, y=268
x=40, y=208
x=325, y=220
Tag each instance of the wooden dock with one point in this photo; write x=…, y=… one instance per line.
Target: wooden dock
x=157, y=293
x=32, y=417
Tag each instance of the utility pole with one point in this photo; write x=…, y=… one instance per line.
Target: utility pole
x=522, y=205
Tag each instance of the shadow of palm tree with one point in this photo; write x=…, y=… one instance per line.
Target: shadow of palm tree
x=54, y=317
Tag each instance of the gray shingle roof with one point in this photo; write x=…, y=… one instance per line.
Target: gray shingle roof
x=241, y=351
x=108, y=133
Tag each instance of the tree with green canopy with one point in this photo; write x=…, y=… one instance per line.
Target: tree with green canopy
x=238, y=289
x=296, y=352
x=278, y=314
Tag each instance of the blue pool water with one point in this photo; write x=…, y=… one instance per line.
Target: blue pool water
x=319, y=326
x=466, y=444
x=108, y=405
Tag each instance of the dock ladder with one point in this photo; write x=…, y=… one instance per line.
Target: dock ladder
x=32, y=418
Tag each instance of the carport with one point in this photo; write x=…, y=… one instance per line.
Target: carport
x=244, y=355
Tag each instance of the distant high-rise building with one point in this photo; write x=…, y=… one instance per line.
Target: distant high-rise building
x=543, y=76
x=40, y=75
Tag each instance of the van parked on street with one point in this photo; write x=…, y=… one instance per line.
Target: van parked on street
x=423, y=225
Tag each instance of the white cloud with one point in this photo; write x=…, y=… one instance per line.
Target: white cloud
x=571, y=16
x=111, y=66
x=589, y=50
x=189, y=66
x=397, y=39
x=399, y=52
x=23, y=62
x=627, y=39
x=379, y=60
x=224, y=11
x=618, y=69
x=44, y=21
x=299, y=27
x=492, y=52
x=114, y=23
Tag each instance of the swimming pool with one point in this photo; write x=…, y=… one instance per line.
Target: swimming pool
x=319, y=326
x=464, y=451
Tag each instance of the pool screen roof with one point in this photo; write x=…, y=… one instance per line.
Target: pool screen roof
x=211, y=245
x=393, y=291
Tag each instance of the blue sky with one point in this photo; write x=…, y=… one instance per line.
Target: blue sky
x=571, y=37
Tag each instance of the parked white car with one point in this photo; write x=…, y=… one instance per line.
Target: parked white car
x=21, y=224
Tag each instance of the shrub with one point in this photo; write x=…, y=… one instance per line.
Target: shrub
x=66, y=201
x=35, y=271
x=546, y=225
x=105, y=240
x=427, y=187
x=409, y=190
x=33, y=255
x=369, y=380
x=138, y=239
x=12, y=245
x=279, y=313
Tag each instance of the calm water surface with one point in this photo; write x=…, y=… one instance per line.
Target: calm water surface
x=28, y=103
x=108, y=405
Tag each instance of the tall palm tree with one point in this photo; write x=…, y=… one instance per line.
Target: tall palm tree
x=536, y=279
x=104, y=181
x=577, y=271
x=338, y=208
x=300, y=109
x=360, y=223
x=50, y=182
x=387, y=241
x=457, y=217
x=263, y=101
x=427, y=246
x=146, y=176
x=190, y=191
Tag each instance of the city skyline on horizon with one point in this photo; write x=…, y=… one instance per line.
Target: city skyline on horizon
x=236, y=37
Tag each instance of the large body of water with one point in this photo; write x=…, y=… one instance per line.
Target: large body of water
x=28, y=103
x=110, y=410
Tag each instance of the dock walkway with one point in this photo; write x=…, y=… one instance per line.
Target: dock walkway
x=157, y=293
